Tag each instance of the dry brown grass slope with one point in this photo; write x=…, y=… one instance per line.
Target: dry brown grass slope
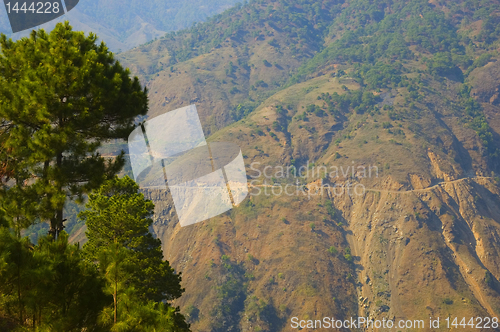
x=423, y=236
x=422, y=240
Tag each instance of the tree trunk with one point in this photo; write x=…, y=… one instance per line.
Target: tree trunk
x=116, y=305
x=59, y=212
x=21, y=308
x=53, y=221
x=115, y=298
x=59, y=222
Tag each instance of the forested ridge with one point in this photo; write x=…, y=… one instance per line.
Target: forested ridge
x=382, y=41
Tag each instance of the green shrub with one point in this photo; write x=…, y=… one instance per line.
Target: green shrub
x=448, y=301
x=332, y=250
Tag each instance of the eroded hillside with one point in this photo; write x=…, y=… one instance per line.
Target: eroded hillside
x=392, y=113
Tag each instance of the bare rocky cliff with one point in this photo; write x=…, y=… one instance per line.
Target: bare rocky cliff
x=415, y=254
x=443, y=238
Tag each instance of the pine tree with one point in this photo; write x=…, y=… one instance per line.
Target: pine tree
x=73, y=295
x=16, y=275
x=49, y=285
x=118, y=219
x=116, y=264
x=61, y=96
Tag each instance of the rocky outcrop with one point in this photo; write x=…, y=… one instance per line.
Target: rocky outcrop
x=443, y=237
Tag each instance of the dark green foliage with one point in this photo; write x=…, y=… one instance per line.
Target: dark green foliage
x=384, y=39
x=61, y=95
x=263, y=314
x=481, y=61
x=347, y=255
x=71, y=211
x=476, y=120
x=241, y=111
x=49, y=284
x=448, y=301
x=442, y=64
x=330, y=209
x=282, y=121
x=360, y=101
x=302, y=117
x=304, y=22
x=193, y=313
x=118, y=214
x=490, y=30
x=273, y=43
x=120, y=18
x=130, y=258
x=3, y=220
x=489, y=279
x=231, y=295
x=432, y=32
x=315, y=109
x=332, y=250
x=381, y=75
x=129, y=312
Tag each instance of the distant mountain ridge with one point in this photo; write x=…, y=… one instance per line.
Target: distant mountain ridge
x=129, y=23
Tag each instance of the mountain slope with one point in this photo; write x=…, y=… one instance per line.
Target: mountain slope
x=395, y=99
